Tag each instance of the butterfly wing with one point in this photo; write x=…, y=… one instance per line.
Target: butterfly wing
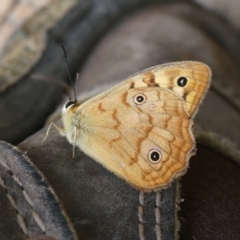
x=142, y=135
x=189, y=79
x=141, y=129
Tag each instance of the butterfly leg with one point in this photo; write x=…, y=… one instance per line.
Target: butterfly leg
x=60, y=130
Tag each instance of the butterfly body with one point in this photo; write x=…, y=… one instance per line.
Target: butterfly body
x=141, y=129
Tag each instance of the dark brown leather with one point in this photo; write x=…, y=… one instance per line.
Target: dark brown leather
x=29, y=207
x=210, y=190
x=99, y=204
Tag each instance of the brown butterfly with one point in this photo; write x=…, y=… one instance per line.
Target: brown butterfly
x=141, y=129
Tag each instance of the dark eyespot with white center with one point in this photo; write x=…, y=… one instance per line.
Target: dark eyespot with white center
x=182, y=82
x=140, y=99
x=154, y=156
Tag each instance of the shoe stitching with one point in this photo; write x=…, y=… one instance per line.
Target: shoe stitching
x=158, y=216
x=20, y=218
x=140, y=216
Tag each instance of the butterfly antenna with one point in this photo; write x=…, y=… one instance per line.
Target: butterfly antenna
x=73, y=86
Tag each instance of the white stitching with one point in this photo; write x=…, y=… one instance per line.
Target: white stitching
x=27, y=197
x=2, y=183
x=141, y=198
x=12, y=201
x=69, y=224
x=22, y=223
x=20, y=218
x=17, y=180
x=158, y=232
x=140, y=216
x=158, y=216
x=158, y=199
x=141, y=231
x=4, y=164
x=39, y=220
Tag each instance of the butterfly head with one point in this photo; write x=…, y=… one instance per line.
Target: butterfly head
x=70, y=119
x=68, y=111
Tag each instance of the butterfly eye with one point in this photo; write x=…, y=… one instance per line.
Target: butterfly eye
x=182, y=81
x=140, y=99
x=154, y=156
x=69, y=104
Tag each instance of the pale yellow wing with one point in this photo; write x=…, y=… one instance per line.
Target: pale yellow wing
x=142, y=135
x=189, y=79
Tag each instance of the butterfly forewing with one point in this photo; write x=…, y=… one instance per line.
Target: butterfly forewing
x=197, y=75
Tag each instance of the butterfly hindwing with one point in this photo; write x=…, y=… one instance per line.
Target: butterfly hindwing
x=124, y=132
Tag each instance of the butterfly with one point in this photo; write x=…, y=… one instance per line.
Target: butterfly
x=141, y=129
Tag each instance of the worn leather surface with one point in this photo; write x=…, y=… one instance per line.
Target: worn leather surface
x=28, y=204
x=100, y=205
x=210, y=190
